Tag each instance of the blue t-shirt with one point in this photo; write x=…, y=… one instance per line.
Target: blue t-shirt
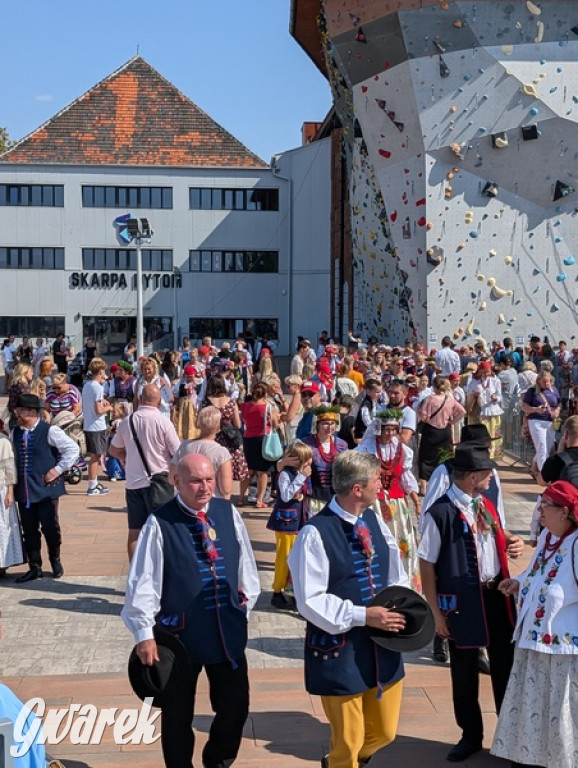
x=10, y=708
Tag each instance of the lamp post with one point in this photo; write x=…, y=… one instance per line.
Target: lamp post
x=140, y=232
x=176, y=284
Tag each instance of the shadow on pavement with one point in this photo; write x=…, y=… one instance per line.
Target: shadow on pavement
x=78, y=605
x=61, y=587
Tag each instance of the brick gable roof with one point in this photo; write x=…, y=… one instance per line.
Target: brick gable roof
x=133, y=117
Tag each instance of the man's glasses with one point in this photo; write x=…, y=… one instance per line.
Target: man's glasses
x=306, y=394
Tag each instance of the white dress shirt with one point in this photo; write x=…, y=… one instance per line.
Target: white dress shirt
x=438, y=484
x=145, y=578
x=309, y=566
x=448, y=361
x=430, y=545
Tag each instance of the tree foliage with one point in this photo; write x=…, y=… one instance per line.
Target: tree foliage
x=5, y=142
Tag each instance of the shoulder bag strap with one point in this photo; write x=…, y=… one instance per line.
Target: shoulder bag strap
x=265, y=419
x=435, y=413
x=139, y=447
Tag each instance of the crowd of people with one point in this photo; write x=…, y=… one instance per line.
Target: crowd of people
x=376, y=466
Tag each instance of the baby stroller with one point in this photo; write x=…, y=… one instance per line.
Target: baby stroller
x=72, y=426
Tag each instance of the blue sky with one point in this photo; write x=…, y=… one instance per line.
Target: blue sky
x=234, y=58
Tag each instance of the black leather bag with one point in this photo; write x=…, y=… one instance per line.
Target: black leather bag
x=232, y=435
x=160, y=490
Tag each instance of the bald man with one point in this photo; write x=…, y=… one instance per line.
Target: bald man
x=190, y=551
x=159, y=442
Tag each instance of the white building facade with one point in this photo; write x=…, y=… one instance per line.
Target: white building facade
x=234, y=250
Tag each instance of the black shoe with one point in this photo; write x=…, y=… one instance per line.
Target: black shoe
x=282, y=602
x=483, y=662
x=462, y=751
x=33, y=573
x=440, y=649
x=57, y=569
x=325, y=761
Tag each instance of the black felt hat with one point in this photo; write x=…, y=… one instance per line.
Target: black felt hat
x=419, y=621
x=163, y=678
x=476, y=433
x=26, y=400
x=472, y=457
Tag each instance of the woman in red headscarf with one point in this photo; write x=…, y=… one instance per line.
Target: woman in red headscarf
x=484, y=404
x=538, y=723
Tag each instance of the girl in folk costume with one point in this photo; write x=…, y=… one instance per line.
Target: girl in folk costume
x=185, y=413
x=398, y=481
x=325, y=446
x=288, y=516
x=484, y=396
x=10, y=536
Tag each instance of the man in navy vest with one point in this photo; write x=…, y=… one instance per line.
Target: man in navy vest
x=464, y=554
x=42, y=454
x=437, y=485
x=342, y=557
x=193, y=573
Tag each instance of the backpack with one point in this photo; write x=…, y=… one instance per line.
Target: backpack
x=569, y=470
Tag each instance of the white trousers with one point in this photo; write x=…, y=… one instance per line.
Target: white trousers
x=543, y=437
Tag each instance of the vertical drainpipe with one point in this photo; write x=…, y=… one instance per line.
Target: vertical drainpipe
x=289, y=181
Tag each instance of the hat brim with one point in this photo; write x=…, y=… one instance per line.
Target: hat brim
x=420, y=622
x=142, y=677
x=481, y=466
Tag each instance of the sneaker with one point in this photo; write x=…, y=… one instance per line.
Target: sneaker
x=113, y=479
x=100, y=490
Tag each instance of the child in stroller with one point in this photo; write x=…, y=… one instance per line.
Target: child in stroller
x=112, y=466
x=71, y=424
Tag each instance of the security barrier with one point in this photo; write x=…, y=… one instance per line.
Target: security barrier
x=515, y=442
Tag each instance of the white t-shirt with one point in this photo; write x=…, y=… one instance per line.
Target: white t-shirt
x=92, y=392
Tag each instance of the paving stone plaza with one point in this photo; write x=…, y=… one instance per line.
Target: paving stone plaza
x=65, y=642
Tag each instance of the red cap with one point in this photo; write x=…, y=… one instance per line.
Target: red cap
x=190, y=370
x=114, y=368
x=563, y=494
x=204, y=350
x=310, y=386
x=453, y=376
x=485, y=365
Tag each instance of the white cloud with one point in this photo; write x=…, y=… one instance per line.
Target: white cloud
x=45, y=97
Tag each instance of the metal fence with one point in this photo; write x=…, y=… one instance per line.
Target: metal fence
x=516, y=441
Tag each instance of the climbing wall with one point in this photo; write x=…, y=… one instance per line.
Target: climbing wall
x=465, y=113
x=381, y=300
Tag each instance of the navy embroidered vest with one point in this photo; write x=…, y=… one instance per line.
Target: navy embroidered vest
x=459, y=591
x=349, y=663
x=287, y=516
x=200, y=599
x=33, y=461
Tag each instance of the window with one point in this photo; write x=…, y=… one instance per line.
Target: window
x=228, y=328
x=127, y=197
x=233, y=261
x=46, y=195
x=256, y=199
x=31, y=258
x=110, y=259
x=33, y=327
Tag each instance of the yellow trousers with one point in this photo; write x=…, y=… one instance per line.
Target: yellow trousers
x=283, y=544
x=361, y=724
